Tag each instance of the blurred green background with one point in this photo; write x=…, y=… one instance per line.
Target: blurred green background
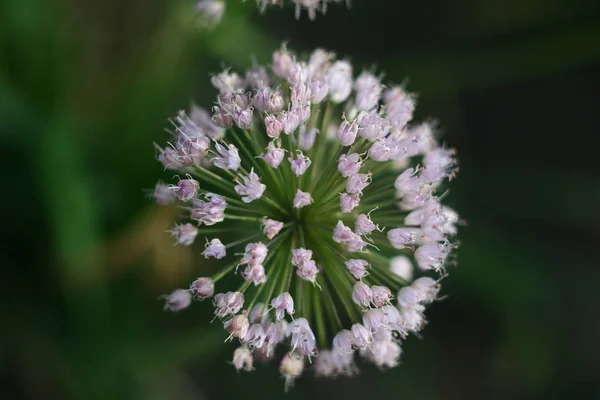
x=86, y=87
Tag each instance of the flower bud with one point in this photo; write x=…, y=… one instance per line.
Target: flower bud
x=214, y=249
x=203, y=288
x=178, y=300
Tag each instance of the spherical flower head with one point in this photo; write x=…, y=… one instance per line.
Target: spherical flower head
x=214, y=249
x=318, y=248
x=178, y=300
x=302, y=199
x=202, y=288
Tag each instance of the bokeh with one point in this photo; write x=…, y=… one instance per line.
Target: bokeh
x=86, y=88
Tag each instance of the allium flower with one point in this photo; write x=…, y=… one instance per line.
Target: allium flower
x=311, y=6
x=322, y=246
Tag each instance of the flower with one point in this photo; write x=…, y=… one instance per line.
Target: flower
x=337, y=225
x=311, y=6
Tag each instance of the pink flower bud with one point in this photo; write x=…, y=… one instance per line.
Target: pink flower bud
x=274, y=155
x=380, y=151
x=229, y=303
x=307, y=137
x=300, y=164
x=362, y=337
x=273, y=125
x=227, y=157
x=349, y=201
x=291, y=367
x=237, y=326
x=349, y=164
x=214, y=249
x=271, y=227
x=362, y=294
x=358, y=268
x=356, y=183
x=355, y=244
x=251, y=189
x=347, y=132
x=185, y=234
x=283, y=303
x=202, y=288
x=255, y=273
x=343, y=342
x=342, y=233
x=302, y=199
x=162, y=194
x=178, y=300
x=186, y=189
x=381, y=295
x=308, y=271
x=339, y=79
x=290, y=121
x=222, y=118
x=402, y=237
x=242, y=359
x=255, y=337
x=300, y=256
x=254, y=254
x=426, y=288
x=364, y=225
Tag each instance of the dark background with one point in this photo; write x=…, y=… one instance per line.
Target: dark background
x=86, y=88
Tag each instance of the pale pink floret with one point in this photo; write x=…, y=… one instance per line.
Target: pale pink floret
x=271, y=227
x=202, y=288
x=242, y=359
x=362, y=294
x=273, y=155
x=357, y=267
x=227, y=157
x=349, y=164
x=185, y=234
x=356, y=183
x=229, y=303
x=282, y=304
x=251, y=189
x=302, y=199
x=364, y=225
x=214, y=249
x=349, y=202
x=300, y=164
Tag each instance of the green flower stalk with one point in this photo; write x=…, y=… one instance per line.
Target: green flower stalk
x=317, y=193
